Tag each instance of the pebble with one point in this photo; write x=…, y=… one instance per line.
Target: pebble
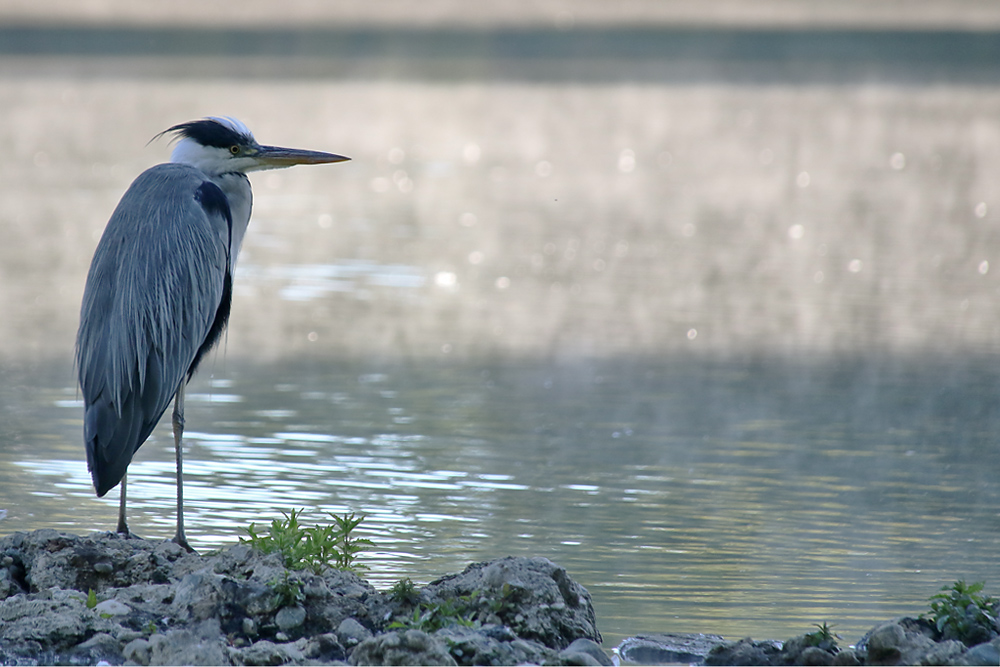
x=290, y=618
x=113, y=608
x=315, y=587
x=585, y=652
x=137, y=651
x=886, y=638
x=350, y=632
x=983, y=654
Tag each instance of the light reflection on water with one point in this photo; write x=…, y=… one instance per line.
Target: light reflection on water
x=306, y=282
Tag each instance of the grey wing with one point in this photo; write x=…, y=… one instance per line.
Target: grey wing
x=153, y=296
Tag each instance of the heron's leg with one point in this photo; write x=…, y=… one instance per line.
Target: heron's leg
x=122, y=526
x=178, y=419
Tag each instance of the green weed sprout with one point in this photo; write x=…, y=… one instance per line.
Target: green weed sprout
x=960, y=609
x=824, y=638
x=404, y=592
x=433, y=617
x=314, y=548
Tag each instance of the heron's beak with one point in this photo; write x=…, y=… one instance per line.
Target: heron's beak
x=272, y=157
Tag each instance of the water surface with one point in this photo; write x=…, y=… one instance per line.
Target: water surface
x=842, y=490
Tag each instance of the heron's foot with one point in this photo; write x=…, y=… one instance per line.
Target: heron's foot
x=125, y=533
x=123, y=530
x=181, y=541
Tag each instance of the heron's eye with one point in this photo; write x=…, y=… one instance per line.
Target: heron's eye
x=235, y=150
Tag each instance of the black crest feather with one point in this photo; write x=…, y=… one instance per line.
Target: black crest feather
x=210, y=132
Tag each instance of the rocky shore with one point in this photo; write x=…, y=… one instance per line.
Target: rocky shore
x=67, y=599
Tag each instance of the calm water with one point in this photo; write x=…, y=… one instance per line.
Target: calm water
x=723, y=346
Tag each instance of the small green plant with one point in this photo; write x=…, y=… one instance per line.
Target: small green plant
x=505, y=602
x=350, y=546
x=421, y=619
x=287, y=591
x=824, y=638
x=433, y=617
x=404, y=592
x=91, y=599
x=313, y=548
x=961, y=611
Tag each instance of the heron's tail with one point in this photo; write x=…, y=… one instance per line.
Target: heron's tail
x=110, y=443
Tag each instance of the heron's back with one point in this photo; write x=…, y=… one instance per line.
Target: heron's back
x=153, y=294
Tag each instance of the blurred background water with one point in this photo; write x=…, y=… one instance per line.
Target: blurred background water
x=700, y=308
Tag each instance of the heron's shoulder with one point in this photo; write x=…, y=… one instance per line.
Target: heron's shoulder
x=172, y=172
x=175, y=193
x=170, y=184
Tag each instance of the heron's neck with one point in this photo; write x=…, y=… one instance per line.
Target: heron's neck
x=236, y=186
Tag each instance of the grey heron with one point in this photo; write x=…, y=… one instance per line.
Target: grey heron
x=158, y=292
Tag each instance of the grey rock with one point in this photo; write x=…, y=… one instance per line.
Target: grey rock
x=255, y=597
x=350, y=633
x=583, y=648
x=137, y=651
x=581, y=659
x=814, y=655
x=325, y=648
x=944, y=653
x=987, y=653
x=668, y=648
x=848, y=658
x=269, y=653
x=411, y=647
x=745, y=652
x=804, y=650
x=196, y=597
x=10, y=574
x=104, y=567
x=893, y=644
x=237, y=558
x=289, y=618
x=538, y=599
x=102, y=647
x=168, y=551
x=202, y=644
x=315, y=587
x=57, y=624
x=98, y=562
x=886, y=638
x=493, y=645
x=346, y=596
x=113, y=608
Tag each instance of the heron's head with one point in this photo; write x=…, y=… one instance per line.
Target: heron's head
x=224, y=145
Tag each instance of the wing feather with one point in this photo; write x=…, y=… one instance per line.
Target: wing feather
x=153, y=291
